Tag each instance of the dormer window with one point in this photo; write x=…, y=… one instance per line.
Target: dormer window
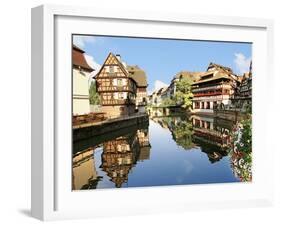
x=211, y=69
x=206, y=77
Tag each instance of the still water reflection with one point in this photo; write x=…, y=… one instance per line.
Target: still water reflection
x=168, y=151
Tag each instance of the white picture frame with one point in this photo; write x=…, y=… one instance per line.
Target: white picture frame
x=51, y=199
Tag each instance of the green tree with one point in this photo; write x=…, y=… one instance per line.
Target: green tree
x=94, y=96
x=167, y=102
x=181, y=129
x=182, y=134
x=183, y=95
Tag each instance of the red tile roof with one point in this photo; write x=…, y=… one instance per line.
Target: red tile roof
x=78, y=59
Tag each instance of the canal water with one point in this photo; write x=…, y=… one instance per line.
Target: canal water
x=174, y=150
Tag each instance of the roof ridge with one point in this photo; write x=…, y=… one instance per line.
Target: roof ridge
x=79, y=59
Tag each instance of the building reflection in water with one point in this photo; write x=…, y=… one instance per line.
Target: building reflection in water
x=118, y=157
x=213, y=136
x=109, y=160
x=84, y=171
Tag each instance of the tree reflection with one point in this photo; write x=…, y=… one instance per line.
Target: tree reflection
x=182, y=134
x=181, y=129
x=213, y=136
x=119, y=152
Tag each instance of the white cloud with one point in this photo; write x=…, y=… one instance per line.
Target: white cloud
x=81, y=40
x=93, y=64
x=242, y=63
x=158, y=85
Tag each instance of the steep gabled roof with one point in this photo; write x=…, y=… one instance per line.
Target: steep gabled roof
x=79, y=60
x=220, y=72
x=217, y=76
x=122, y=67
x=138, y=75
x=220, y=67
x=78, y=48
x=161, y=90
x=194, y=76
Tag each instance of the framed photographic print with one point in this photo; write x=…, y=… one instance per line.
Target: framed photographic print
x=152, y=112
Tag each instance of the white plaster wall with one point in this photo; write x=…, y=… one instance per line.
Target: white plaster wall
x=81, y=102
x=80, y=83
x=80, y=106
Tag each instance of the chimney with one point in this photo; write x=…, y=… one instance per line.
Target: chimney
x=118, y=56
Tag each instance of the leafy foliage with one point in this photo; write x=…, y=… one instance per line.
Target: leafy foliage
x=94, y=96
x=184, y=94
x=182, y=130
x=168, y=102
x=183, y=135
x=241, y=155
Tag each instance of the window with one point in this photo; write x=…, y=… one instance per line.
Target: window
x=122, y=95
x=197, y=123
x=202, y=105
x=115, y=96
x=111, y=69
x=208, y=105
x=106, y=96
x=119, y=82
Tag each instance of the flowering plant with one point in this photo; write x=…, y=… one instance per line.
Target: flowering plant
x=241, y=152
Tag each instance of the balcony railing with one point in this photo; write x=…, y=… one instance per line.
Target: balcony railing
x=141, y=103
x=114, y=88
x=209, y=94
x=211, y=87
x=118, y=102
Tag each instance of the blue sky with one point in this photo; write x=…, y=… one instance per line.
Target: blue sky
x=162, y=59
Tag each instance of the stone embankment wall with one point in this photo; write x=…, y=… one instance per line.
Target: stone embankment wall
x=108, y=126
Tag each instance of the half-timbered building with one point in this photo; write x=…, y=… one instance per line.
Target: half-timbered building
x=139, y=76
x=242, y=98
x=117, y=89
x=214, y=89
